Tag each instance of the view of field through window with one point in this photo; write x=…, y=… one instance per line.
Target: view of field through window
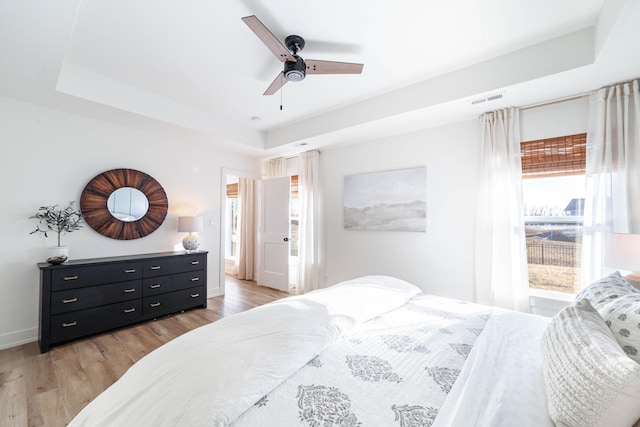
x=554, y=209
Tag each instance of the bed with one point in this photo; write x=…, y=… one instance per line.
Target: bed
x=376, y=351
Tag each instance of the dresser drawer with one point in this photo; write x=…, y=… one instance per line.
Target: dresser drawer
x=80, y=323
x=162, y=266
x=91, y=275
x=164, y=284
x=159, y=305
x=93, y=296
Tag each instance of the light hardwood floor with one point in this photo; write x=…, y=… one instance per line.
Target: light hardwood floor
x=50, y=389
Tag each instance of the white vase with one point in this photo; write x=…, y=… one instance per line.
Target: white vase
x=57, y=254
x=190, y=243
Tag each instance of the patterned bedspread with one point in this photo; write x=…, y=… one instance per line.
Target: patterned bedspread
x=394, y=370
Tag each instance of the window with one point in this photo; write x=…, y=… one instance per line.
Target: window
x=553, y=188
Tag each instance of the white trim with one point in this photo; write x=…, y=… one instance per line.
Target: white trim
x=548, y=303
x=16, y=338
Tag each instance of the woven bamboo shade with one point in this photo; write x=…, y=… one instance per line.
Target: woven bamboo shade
x=565, y=155
x=232, y=189
x=294, y=187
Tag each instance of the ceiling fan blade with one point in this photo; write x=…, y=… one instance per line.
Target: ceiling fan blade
x=267, y=37
x=315, y=66
x=276, y=84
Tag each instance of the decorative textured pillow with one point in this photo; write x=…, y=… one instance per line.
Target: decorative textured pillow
x=602, y=291
x=589, y=380
x=622, y=316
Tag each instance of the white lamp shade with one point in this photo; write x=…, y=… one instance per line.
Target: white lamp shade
x=189, y=224
x=623, y=251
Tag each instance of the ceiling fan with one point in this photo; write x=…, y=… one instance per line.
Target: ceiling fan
x=295, y=68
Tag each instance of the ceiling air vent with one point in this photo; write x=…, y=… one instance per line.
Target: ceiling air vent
x=487, y=98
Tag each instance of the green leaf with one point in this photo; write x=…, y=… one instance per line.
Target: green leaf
x=52, y=218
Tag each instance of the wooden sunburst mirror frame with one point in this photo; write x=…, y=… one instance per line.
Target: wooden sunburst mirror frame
x=93, y=204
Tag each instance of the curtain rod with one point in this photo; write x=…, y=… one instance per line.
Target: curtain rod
x=555, y=101
x=292, y=156
x=573, y=97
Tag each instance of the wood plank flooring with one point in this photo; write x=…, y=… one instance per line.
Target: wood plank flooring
x=50, y=389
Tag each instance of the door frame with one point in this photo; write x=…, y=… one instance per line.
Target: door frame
x=223, y=214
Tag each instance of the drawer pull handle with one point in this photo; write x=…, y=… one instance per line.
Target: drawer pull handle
x=67, y=325
x=195, y=279
x=154, y=286
x=195, y=262
x=128, y=291
x=70, y=278
x=195, y=295
x=67, y=301
x=129, y=310
x=154, y=304
x=132, y=270
x=155, y=267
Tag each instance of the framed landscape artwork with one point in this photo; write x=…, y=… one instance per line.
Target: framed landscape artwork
x=386, y=201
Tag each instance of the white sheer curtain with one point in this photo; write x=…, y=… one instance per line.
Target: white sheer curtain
x=244, y=267
x=276, y=168
x=309, y=229
x=613, y=178
x=501, y=261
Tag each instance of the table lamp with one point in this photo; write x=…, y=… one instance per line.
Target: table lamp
x=623, y=251
x=190, y=224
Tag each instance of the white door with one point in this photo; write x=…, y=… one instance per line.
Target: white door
x=273, y=270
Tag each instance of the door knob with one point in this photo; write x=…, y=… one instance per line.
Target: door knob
x=286, y=239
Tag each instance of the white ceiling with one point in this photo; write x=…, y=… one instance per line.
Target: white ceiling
x=193, y=66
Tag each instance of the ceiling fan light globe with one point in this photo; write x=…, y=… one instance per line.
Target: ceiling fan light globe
x=294, y=75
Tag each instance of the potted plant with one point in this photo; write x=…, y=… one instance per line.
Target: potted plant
x=52, y=219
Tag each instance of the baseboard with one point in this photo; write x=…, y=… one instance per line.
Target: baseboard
x=14, y=339
x=214, y=292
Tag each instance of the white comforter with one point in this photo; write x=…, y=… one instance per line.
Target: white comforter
x=368, y=352
x=502, y=384
x=395, y=370
x=211, y=375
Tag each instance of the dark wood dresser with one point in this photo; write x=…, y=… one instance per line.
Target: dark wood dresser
x=84, y=297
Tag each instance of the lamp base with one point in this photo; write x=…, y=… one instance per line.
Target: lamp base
x=190, y=243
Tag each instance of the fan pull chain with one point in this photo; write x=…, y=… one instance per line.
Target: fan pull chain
x=281, y=89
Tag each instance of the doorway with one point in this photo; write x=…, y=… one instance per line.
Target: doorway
x=230, y=229
x=228, y=220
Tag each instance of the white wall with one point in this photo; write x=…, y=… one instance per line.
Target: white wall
x=49, y=156
x=440, y=261
x=563, y=118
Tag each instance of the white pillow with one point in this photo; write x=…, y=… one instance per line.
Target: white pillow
x=589, y=380
x=622, y=316
x=618, y=302
x=606, y=289
x=387, y=282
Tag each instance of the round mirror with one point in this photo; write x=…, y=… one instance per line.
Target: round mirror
x=128, y=204
x=124, y=204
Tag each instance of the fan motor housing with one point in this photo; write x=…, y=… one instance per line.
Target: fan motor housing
x=295, y=71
